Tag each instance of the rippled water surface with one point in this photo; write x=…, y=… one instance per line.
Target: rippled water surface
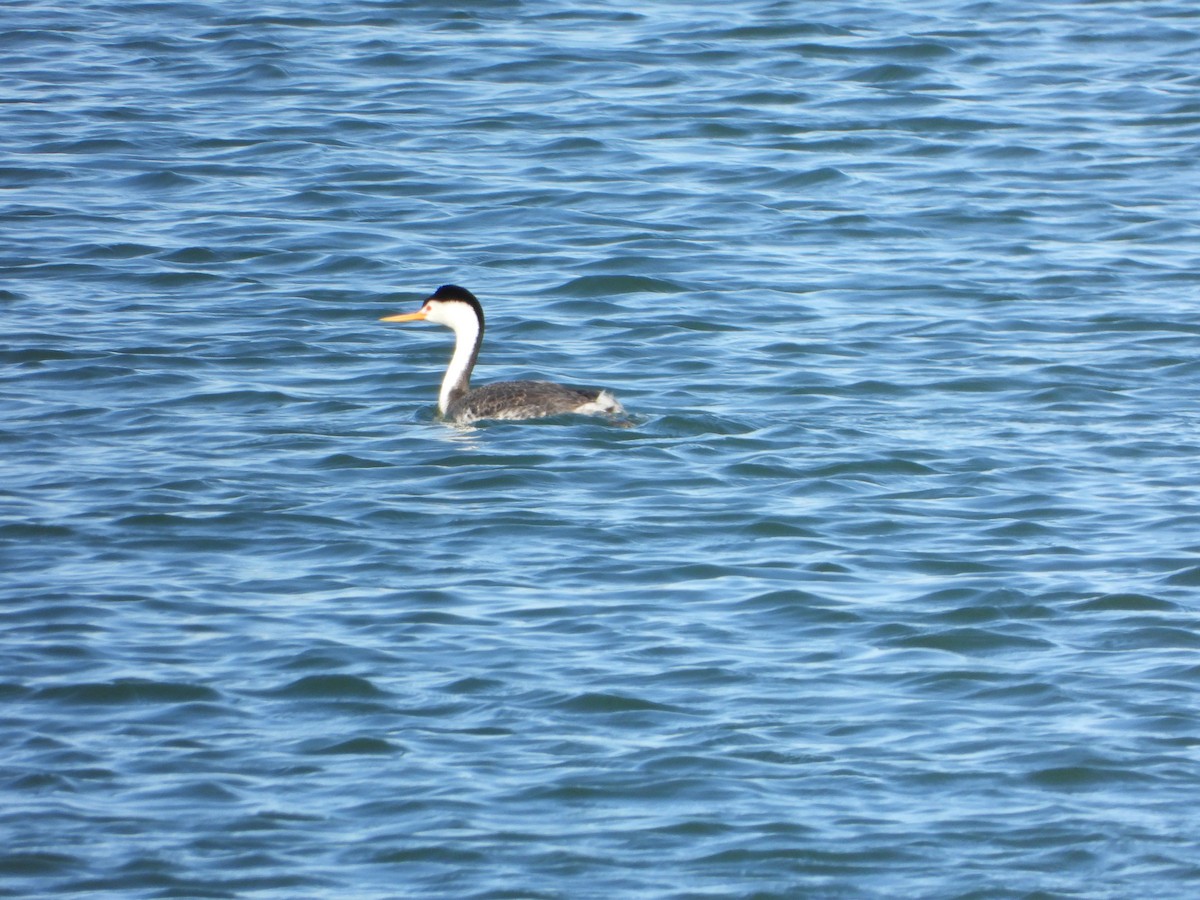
x=890, y=589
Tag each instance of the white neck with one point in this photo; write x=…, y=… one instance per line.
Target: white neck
x=457, y=381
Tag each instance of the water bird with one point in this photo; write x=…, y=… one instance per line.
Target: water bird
x=459, y=310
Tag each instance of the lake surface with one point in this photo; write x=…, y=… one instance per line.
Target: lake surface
x=889, y=589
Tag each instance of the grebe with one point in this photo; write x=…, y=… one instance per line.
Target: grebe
x=458, y=309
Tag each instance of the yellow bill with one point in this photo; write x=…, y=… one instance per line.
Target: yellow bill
x=405, y=317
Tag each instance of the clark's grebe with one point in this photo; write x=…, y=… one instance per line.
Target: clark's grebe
x=458, y=309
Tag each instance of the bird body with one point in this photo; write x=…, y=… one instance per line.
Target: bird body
x=459, y=309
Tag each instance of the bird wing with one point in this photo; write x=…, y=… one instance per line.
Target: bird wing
x=522, y=400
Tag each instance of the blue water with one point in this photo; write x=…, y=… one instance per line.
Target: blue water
x=891, y=589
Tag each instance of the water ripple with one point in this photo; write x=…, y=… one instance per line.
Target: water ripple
x=902, y=529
